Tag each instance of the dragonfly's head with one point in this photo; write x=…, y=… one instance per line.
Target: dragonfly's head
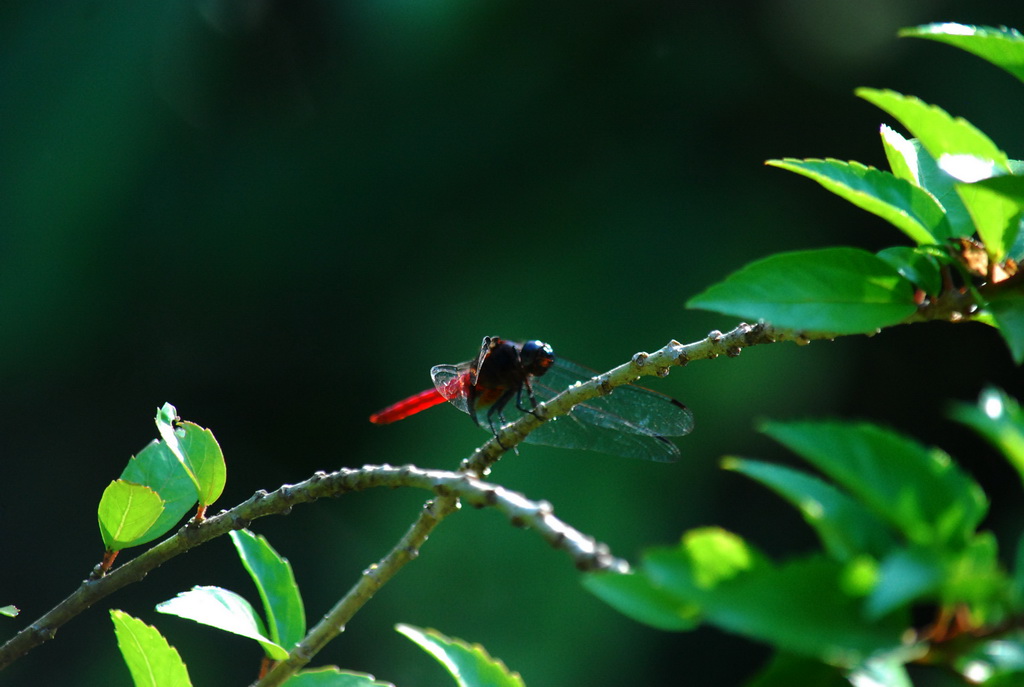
x=536, y=357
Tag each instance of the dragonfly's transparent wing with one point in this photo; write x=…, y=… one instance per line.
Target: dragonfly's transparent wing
x=632, y=422
x=570, y=431
x=450, y=381
x=628, y=408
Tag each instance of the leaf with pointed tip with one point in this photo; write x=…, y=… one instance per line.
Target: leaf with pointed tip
x=273, y=576
x=918, y=490
x=907, y=207
x=470, y=665
x=150, y=659
x=943, y=135
x=910, y=161
x=832, y=290
x=846, y=528
x=1008, y=312
x=999, y=418
x=939, y=133
x=224, y=610
x=198, y=452
x=1001, y=46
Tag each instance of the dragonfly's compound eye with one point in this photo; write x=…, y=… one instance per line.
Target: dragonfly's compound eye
x=536, y=357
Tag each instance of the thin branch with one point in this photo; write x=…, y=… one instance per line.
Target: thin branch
x=659, y=364
x=372, y=579
x=585, y=552
x=464, y=485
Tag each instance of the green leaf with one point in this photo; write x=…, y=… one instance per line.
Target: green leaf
x=150, y=659
x=207, y=461
x=799, y=607
x=909, y=160
x=833, y=290
x=919, y=491
x=1007, y=310
x=938, y=132
x=197, y=451
x=273, y=576
x=471, y=666
x=998, y=418
x=1007, y=194
x=846, y=528
x=975, y=577
x=991, y=198
x=157, y=468
x=126, y=513
x=1001, y=46
x=916, y=266
x=331, y=676
x=970, y=576
x=905, y=576
x=909, y=208
x=942, y=135
x=635, y=596
x=9, y=611
x=224, y=610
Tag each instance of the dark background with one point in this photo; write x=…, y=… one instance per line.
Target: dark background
x=279, y=215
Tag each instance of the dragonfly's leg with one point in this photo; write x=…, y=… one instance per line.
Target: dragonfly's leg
x=529, y=393
x=497, y=411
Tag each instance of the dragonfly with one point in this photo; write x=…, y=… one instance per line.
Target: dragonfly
x=511, y=377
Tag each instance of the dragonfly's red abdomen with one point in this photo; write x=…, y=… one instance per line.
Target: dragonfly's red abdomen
x=410, y=406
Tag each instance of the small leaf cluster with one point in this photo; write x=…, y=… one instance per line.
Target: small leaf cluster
x=898, y=524
x=154, y=663
x=951, y=191
x=161, y=484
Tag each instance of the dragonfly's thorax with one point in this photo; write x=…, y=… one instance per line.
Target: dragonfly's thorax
x=500, y=366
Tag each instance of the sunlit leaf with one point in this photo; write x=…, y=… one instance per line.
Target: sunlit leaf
x=126, y=512
x=197, y=450
x=273, y=576
x=909, y=160
x=470, y=665
x=224, y=610
x=943, y=135
x=939, y=133
x=156, y=467
x=1001, y=46
x=909, y=208
x=150, y=659
x=833, y=290
x=992, y=198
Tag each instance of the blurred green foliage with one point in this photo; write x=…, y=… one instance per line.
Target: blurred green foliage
x=279, y=215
